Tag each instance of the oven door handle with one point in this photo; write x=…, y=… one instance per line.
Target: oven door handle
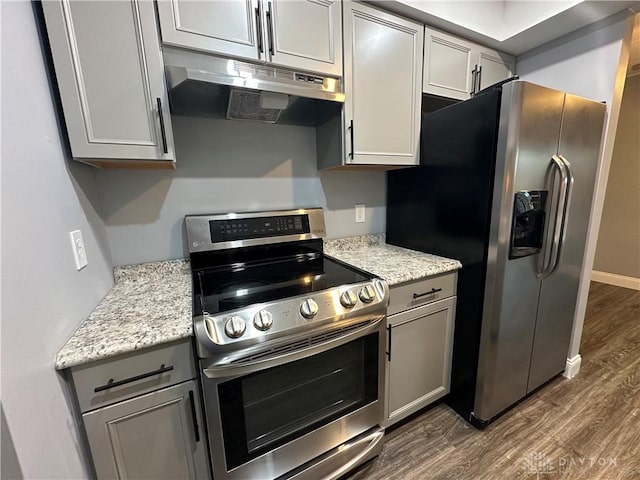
x=238, y=369
x=368, y=444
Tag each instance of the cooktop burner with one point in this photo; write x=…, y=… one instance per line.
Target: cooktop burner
x=227, y=288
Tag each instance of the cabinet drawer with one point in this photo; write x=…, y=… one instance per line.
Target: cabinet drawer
x=139, y=372
x=412, y=294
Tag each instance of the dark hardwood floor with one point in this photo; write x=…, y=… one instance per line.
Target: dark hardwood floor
x=584, y=428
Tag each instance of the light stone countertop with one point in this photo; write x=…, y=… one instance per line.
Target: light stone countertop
x=151, y=304
x=394, y=264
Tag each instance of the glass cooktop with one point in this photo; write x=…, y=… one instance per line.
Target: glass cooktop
x=229, y=287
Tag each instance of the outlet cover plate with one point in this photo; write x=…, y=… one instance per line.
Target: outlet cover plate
x=79, y=252
x=360, y=213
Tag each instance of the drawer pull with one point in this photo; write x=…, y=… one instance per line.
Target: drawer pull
x=430, y=292
x=111, y=383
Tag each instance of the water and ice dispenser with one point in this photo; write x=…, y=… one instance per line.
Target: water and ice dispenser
x=527, y=228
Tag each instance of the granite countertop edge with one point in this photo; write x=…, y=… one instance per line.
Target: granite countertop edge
x=151, y=303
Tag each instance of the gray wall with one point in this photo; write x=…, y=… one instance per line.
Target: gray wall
x=44, y=298
x=226, y=166
x=583, y=62
x=618, y=248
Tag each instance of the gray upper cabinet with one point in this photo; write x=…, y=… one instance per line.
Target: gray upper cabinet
x=158, y=435
x=304, y=34
x=227, y=27
x=457, y=68
x=448, y=62
x=383, y=78
x=493, y=67
x=110, y=75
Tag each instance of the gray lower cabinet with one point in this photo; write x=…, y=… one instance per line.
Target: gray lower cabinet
x=142, y=414
x=110, y=75
x=156, y=436
x=419, y=351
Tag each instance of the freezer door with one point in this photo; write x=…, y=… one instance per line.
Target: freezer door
x=529, y=126
x=579, y=145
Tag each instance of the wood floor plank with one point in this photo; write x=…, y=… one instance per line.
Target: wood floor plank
x=580, y=429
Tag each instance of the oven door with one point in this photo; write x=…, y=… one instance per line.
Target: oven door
x=270, y=416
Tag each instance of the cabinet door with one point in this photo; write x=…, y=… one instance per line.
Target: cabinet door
x=154, y=436
x=383, y=71
x=419, y=367
x=448, y=63
x=226, y=27
x=110, y=76
x=494, y=67
x=305, y=34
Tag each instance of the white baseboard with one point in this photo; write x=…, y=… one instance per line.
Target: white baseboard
x=617, y=280
x=572, y=367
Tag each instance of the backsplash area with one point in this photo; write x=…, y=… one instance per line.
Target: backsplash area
x=225, y=166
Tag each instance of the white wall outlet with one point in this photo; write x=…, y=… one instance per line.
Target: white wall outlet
x=360, y=216
x=79, y=253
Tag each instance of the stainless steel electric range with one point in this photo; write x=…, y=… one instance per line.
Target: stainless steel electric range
x=291, y=346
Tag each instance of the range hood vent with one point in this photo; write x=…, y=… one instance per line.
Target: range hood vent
x=205, y=85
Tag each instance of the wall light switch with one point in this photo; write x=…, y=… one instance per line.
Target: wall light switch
x=360, y=216
x=79, y=253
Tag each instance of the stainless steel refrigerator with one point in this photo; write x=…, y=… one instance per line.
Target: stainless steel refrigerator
x=504, y=185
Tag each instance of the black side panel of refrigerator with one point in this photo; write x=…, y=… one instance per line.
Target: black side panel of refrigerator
x=444, y=207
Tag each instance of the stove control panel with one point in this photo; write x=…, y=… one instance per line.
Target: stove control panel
x=275, y=319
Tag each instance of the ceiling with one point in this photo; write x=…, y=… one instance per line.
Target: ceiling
x=511, y=26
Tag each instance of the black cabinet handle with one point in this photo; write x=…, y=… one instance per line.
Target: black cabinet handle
x=162, y=131
x=270, y=29
x=474, y=75
x=350, y=128
x=259, y=28
x=111, y=383
x=389, y=342
x=196, y=429
x=430, y=292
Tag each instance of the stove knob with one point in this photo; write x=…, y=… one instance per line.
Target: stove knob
x=379, y=286
x=263, y=320
x=235, y=327
x=367, y=294
x=348, y=299
x=309, y=308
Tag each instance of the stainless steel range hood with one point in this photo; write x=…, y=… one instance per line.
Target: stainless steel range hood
x=206, y=85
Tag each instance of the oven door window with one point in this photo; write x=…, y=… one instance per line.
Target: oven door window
x=267, y=409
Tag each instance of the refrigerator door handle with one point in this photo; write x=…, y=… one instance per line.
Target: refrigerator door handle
x=568, y=202
x=561, y=165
